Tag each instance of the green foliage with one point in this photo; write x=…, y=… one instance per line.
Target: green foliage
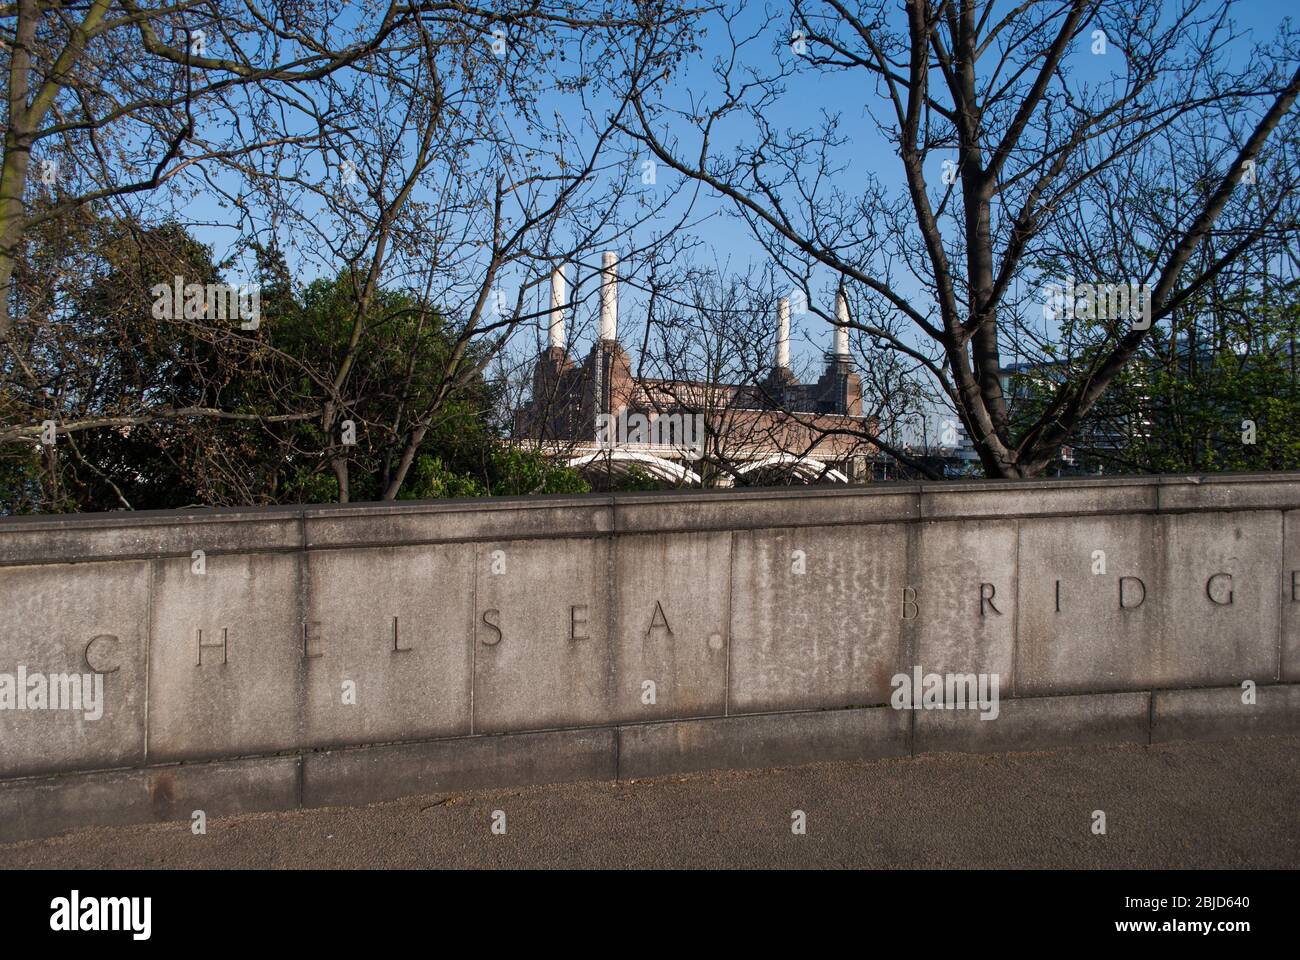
x=516, y=473
x=510, y=472
x=637, y=479
x=1184, y=404
x=310, y=486
x=629, y=478
x=90, y=280
x=20, y=488
x=1205, y=421
x=430, y=479
x=399, y=370
x=119, y=360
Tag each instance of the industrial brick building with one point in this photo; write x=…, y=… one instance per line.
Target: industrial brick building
x=607, y=422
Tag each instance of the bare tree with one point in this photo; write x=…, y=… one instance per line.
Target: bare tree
x=1007, y=154
x=709, y=350
x=398, y=147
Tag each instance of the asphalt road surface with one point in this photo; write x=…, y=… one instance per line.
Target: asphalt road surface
x=1223, y=804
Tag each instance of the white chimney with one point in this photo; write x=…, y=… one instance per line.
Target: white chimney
x=558, y=296
x=783, y=333
x=609, y=296
x=841, y=325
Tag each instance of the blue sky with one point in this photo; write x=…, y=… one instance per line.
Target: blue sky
x=809, y=95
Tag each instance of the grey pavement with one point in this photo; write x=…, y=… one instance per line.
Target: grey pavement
x=1232, y=803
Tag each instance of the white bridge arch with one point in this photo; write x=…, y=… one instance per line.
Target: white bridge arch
x=802, y=468
x=620, y=462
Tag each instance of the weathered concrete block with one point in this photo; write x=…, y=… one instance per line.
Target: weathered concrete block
x=1289, y=652
x=147, y=534
x=1219, y=713
x=826, y=637
x=71, y=620
x=30, y=809
x=1073, y=634
x=226, y=660
x=966, y=602
x=756, y=509
x=371, y=774
x=1275, y=491
x=445, y=521
x=397, y=624
x=1035, y=498
x=1038, y=723
x=671, y=621
x=1200, y=598
x=762, y=740
x=542, y=656
x=1222, y=619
